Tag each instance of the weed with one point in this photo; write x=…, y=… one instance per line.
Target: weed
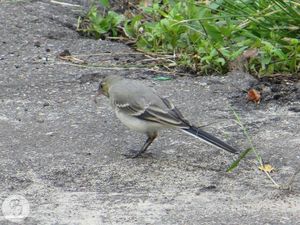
x=208, y=37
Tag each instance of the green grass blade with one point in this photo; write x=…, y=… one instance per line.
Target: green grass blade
x=237, y=162
x=287, y=8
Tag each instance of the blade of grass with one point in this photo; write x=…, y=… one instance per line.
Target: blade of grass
x=258, y=157
x=237, y=162
x=238, y=121
x=287, y=8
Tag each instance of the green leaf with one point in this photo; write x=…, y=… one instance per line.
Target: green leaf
x=237, y=162
x=105, y=3
x=213, y=32
x=114, y=18
x=266, y=60
x=280, y=53
x=221, y=61
x=213, y=6
x=294, y=41
x=194, y=28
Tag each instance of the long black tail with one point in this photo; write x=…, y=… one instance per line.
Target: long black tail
x=201, y=134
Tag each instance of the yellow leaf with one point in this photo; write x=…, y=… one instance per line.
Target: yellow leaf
x=266, y=168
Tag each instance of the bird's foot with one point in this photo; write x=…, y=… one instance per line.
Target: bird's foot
x=132, y=154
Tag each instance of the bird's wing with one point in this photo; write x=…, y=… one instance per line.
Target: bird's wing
x=139, y=101
x=168, y=114
x=174, y=110
x=129, y=109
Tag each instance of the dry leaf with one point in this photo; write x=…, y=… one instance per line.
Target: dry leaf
x=147, y=3
x=254, y=96
x=240, y=63
x=266, y=168
x=250, y=53
x=66, y=56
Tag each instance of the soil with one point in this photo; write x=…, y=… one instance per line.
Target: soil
x=64, y=153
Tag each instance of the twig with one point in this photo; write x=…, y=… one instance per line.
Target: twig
x=288, y=186
x=64, y=3
x=125, y=68
x=103, y=67
x=273, y=181
x=159, y=56
x=108, y=53
x=293, y=177
x=154, y=54
x=117, y=38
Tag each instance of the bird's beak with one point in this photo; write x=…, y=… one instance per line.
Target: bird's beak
x=98, y=93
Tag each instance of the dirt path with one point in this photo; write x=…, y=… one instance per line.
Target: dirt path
x=63, y=152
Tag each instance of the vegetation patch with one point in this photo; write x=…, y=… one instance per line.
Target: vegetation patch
x=259, y=36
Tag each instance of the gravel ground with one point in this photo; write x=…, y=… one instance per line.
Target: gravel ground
x=64, y=153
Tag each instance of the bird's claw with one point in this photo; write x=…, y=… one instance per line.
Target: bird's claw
x=132, y=154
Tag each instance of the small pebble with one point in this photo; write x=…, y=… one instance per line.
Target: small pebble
x=37, y=44
x=51, y=134
x=46, y=104
x=294, y=109
x=40, y=120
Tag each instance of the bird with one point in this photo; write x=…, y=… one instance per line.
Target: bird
x=139, y=108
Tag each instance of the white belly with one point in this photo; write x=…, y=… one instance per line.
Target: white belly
x=138, y=124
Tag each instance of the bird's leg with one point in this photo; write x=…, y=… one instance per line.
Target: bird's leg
x=148, y=142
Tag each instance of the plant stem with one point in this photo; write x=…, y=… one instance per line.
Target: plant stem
x=258, y=157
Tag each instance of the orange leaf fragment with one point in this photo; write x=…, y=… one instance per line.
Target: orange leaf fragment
x=254, y=96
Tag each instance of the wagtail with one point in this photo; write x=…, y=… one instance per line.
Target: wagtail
x=142, y=110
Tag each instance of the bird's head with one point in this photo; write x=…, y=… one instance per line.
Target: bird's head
x=106, y=83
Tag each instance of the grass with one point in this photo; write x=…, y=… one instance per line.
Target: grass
x=211, y=37
x=259, y=160
x=249, y=150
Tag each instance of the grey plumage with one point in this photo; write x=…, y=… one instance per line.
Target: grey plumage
x=141, y=109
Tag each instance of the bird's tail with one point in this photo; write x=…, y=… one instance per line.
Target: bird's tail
x=210, y=139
